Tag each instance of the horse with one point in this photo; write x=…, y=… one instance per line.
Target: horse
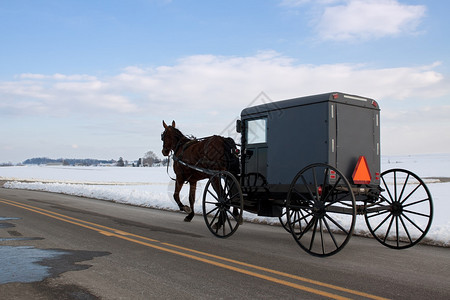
x=212, y=153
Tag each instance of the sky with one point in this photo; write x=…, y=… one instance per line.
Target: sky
x=95, y=79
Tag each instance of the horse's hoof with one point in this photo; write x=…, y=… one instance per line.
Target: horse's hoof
x=216, y=226
x=187, y=219
x=238, y=219
x=187, y=209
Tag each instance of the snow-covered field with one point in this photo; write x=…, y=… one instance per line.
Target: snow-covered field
x=151, y=187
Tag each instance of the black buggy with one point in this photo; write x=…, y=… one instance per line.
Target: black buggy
x=314, y=162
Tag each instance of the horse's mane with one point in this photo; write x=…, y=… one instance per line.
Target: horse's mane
x=180, y=135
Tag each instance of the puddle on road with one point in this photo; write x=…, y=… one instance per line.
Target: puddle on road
x=20, y=264
x=30, y=264
x=6, y=225
x=20, y=239
x=7, y=219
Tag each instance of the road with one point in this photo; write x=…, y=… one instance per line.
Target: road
x=102, y=250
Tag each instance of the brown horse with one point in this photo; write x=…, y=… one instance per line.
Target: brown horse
x=211, y=153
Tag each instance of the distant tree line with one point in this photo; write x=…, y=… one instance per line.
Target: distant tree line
x=150, y=159
x=67, y=161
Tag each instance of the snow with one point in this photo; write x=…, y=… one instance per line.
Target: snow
x=152, y=187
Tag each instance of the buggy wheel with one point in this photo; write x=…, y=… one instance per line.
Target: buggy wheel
x=321, y=210
x=402, y=215
x=223, y=204
x=283, y=220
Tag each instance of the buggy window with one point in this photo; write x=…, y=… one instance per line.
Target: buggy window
x=257, y=131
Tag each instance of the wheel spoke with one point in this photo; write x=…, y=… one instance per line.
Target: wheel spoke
x=403, y=188
x=389, y=229
x=416, y=213
x=406, y=229
x=302, y=196
x=378, y=213
x=316, y=188
x=321, y=235
x=331, y=233
x=212, y=210
x=416, y=202
x=388, y=190
x=214, y=218
x=412, y=222
x=313, y=234
x=222, y=222
x=228, y=220
x=337, y=224
x=385, y=199
x=307, y=227
x=309, y=190
x=302, y=218
x=396, y=228
x=332, y=189
x=382, y=222
x=230, y=189
x=214, y=196
x=395, y=186
x=413, y=191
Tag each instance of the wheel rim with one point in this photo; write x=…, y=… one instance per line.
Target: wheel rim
x=222, y=204
x=321, y=210
x=403, y=213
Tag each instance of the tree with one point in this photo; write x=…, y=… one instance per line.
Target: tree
x=120, y=162
x=150, y=158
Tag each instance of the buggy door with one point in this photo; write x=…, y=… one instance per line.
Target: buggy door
x=255, y=156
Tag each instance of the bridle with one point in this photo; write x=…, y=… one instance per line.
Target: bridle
x=165, y=149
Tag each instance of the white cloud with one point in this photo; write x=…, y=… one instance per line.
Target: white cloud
x=365, y=19
x=217, y=82
x=208, y=89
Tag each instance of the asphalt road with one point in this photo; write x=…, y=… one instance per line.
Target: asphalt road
x=89, y=249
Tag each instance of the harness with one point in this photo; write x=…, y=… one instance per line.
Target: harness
x=179, y=160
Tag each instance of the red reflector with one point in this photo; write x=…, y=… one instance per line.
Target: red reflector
x=361, y=174
x=335, y=96
x=332, y=174
x=374, y=103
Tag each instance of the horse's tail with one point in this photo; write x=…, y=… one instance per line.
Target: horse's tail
x=231, y=156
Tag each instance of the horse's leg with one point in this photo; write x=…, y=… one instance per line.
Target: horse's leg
x=217, y=186
x=192, y=188
x=176, y=196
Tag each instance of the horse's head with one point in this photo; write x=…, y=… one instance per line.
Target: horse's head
x=169, y=138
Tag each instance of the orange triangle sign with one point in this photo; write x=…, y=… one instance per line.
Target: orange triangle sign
x=361, y=174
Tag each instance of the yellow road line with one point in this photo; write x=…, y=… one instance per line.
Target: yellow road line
x=112, y=232
x=327, y=285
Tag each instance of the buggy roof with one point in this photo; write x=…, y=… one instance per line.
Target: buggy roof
x=336, y=97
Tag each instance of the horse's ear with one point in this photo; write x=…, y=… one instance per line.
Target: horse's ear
x=173, y=124
x=165, y=125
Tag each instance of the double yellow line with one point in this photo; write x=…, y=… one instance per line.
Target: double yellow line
x=222, y=262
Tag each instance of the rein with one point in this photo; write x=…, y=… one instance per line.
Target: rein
x=167, y=170
x=203, y=170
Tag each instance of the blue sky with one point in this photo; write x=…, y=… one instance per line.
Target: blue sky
x=94, y=79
